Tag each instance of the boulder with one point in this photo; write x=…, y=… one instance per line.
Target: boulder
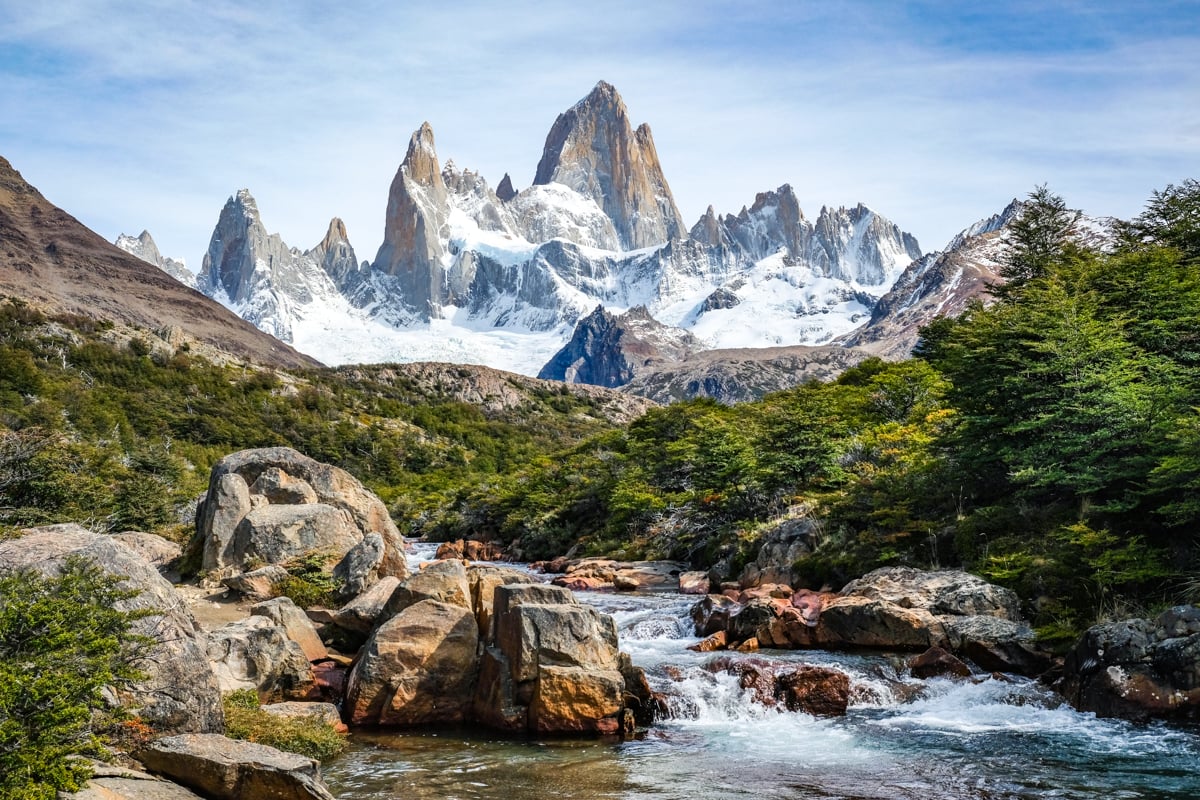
x=160, y=553
x=625, y=583
x=359, y=568
x=819, y=691
x=483, y=580
x=555, y=668
x=1138, y=669
x=937, y=663
x=780, y=546
x=218, y=516
x=299, y=628
x=533, y=635
x=224, y=769
x=109, y=782
x=258, y=584
x=712, y=613
x=419, y=667
x=471, y=550
x=811, y=689
x=362, y=613
x=693, y=583
x=275, y=534
x=255, y=653
x=178, y=692
x=894, y=608
x=997, y=644
x=443, y=581
x=940, y=592
x=251, y=483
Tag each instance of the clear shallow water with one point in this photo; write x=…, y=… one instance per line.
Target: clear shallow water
x=901, y=739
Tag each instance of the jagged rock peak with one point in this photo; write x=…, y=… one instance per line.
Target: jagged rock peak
x=593, y=149
x=144, y=247
x=334, y=254
x=239, y=245
x=505, y=190
x=413, y=228
x=335, y=234
x=421, y=161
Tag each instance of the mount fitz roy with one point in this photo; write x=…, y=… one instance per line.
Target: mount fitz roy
x=470, y=274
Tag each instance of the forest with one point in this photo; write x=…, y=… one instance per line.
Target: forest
x=1048, y=439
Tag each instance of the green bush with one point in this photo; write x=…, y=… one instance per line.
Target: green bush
x=308, y=736
x=61, y=643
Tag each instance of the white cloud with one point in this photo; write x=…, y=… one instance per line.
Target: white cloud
x=135, y=115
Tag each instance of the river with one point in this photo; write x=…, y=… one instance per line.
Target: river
x=901, y=738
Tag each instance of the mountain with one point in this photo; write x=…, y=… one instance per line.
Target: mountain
x=143, y=247
x=468, y=273
x=937, y=284
x=593, y=149
x=610, y=350
x=51, y=260
x=264, y=281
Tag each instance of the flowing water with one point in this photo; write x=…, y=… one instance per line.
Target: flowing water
x=901, y=738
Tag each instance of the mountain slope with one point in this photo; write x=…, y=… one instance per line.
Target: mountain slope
x=50, y=259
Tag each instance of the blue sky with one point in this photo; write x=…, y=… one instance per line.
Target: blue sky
x=135, y=115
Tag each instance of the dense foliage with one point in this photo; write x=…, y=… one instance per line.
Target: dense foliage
x=61, y=642
x=119, y=433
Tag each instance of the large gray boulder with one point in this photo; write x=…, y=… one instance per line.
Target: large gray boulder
x=178, y=692
x=159, y=552
x=274, y=503
x=778, y=550
x=224, y=769
x=1138, y=669
x=255, y=653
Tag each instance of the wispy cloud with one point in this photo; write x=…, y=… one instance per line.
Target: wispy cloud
x=136, y=114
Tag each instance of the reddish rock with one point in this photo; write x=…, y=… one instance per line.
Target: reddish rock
x=330, y=679
x=581, y=584
x=766, y=591
x=693, y=583
x=936, y=662
x=820, y=691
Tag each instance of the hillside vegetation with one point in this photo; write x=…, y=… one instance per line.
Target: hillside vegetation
x=116, y=430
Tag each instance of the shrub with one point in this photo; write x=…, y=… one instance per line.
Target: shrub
x=62, y=642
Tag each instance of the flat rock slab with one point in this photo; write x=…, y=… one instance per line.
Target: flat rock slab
x=225, y=769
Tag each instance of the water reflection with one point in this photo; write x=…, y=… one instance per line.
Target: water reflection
x=461, y=766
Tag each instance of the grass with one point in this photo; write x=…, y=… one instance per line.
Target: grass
x=308, y=736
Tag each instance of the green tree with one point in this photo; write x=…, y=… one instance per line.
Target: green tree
x=62, y=641
x=1043, y=236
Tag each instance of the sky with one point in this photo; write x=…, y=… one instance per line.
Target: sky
x=149, y=115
